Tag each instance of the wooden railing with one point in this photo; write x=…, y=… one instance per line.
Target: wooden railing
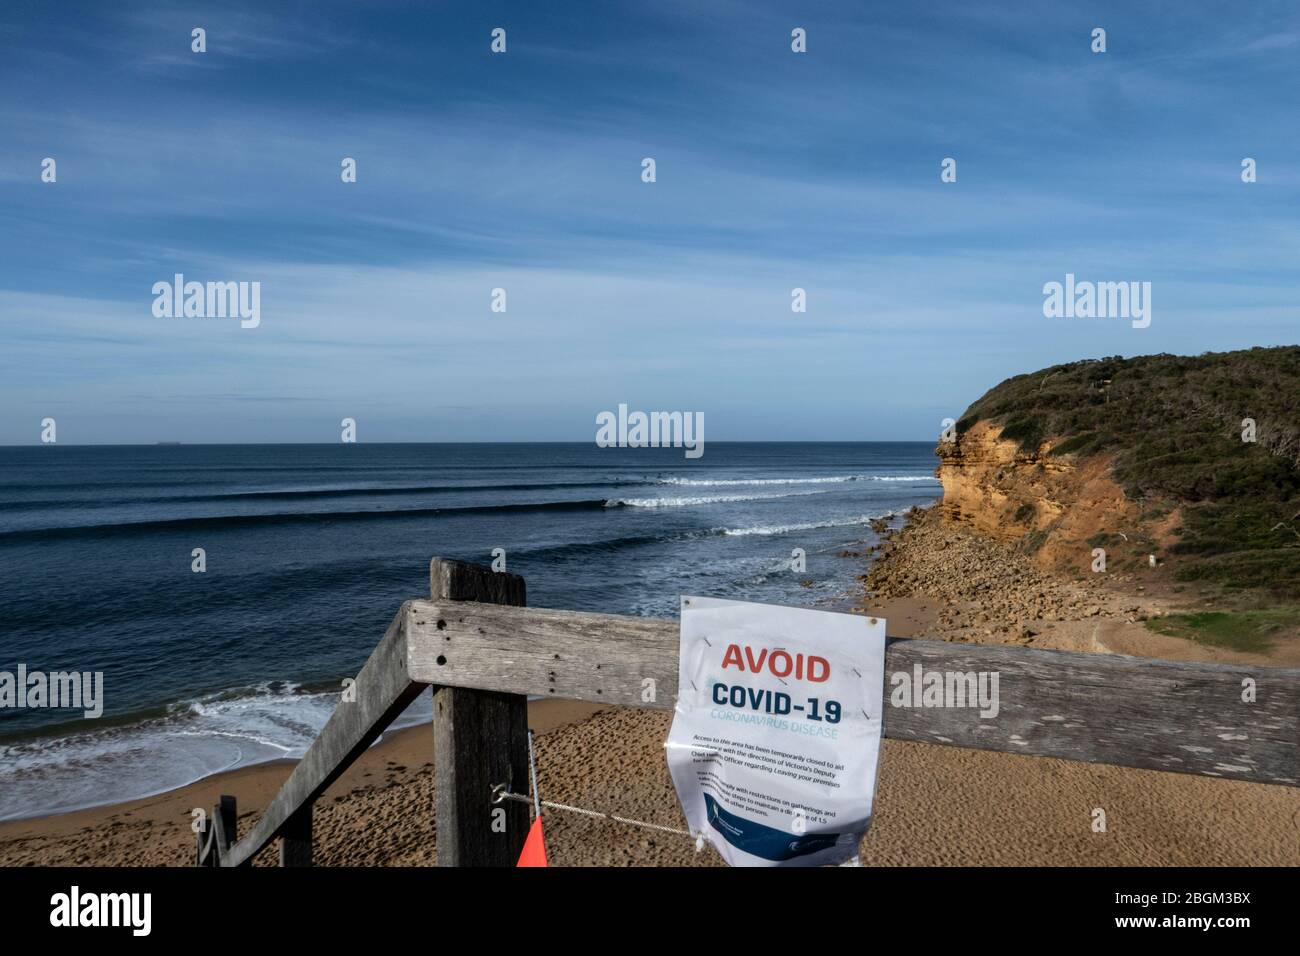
x=485, y=653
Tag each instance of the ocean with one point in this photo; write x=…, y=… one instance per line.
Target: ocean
x=311, y=549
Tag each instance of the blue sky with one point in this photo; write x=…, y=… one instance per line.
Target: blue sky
x=522, y=171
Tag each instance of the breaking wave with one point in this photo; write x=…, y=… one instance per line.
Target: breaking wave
x=830, y=480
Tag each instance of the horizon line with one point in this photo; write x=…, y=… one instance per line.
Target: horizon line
x=209, y=444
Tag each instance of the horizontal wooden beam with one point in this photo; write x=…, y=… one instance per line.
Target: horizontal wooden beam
x=1100, y=708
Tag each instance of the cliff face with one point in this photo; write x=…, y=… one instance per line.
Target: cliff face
x=1054, y=505
x=994, y=488
x=1205, y=448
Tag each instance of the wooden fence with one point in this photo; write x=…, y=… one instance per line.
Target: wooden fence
x=484, y=653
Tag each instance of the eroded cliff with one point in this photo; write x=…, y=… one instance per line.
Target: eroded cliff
x=1058, y=508
x=1193, y=459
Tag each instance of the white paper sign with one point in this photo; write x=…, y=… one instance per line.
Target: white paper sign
x=776, y=736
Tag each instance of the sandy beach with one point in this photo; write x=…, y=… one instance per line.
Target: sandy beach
x=935, y=805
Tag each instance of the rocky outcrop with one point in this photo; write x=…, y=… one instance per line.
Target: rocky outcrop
x=984, y=590
x=1056, y=507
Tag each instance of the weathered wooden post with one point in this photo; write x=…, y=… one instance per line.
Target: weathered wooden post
x=295, y=838
x=218, y=833
x=480, y=739
x=205, y=855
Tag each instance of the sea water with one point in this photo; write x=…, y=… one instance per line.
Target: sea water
x=309, y=550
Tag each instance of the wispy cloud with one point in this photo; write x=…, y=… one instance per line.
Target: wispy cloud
x=523, y=172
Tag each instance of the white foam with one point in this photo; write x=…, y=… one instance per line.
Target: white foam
x=685, y=502
x=833, y=479
x=194, y=740
x=807, y=526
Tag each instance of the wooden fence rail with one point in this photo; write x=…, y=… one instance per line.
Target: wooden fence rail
x=484, y=652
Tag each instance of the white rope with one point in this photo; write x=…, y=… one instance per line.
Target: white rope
x=532, y=766
x=500, y=793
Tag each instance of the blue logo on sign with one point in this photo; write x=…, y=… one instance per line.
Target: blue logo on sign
x=763, y=841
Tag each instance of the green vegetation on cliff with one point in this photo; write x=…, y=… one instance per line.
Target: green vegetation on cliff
x=1174, y=425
